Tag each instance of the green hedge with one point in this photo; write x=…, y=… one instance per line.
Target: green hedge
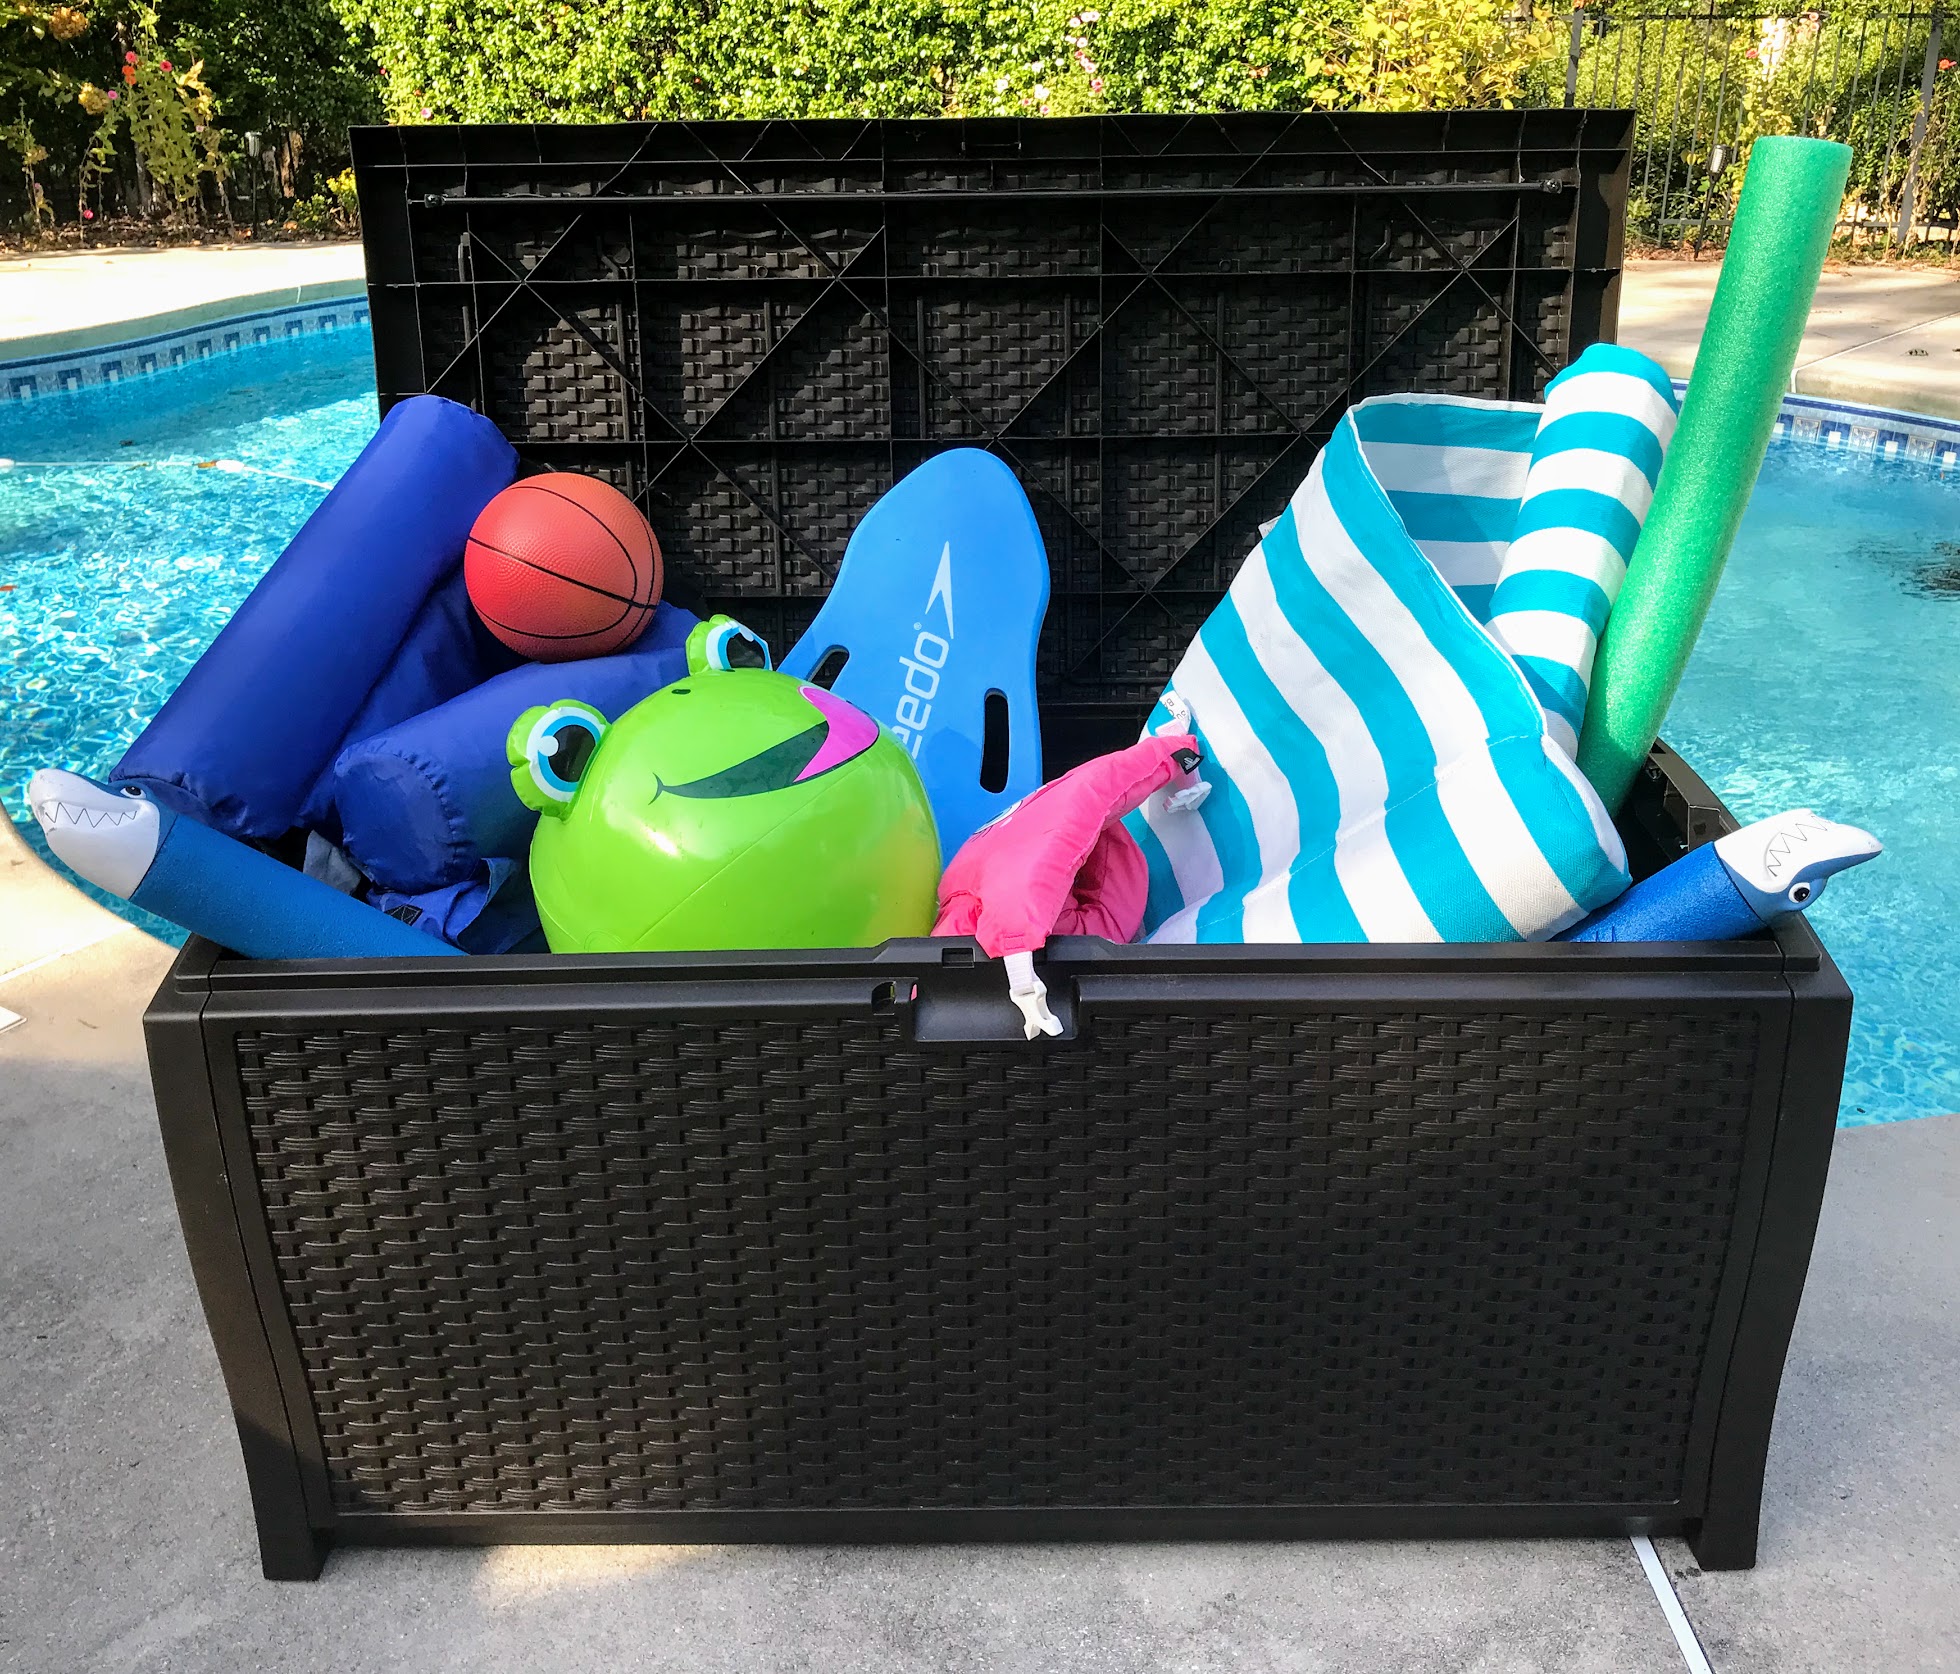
x=281, y=64
x=314, y=66
x=505, y=60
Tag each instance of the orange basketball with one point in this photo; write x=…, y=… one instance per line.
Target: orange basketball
x=562, y=566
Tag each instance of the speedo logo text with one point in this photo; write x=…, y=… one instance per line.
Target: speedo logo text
x=932, y=644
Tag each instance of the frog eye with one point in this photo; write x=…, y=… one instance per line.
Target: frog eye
x=549, y=750
x=722, y=643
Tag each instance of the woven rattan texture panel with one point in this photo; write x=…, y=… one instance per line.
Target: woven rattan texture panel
x=1194, y=1260
x=755, y=330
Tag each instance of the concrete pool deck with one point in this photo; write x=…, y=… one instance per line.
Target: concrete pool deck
x=1879, y=336
x=1883, y=336
x=126, y=1542
x=69, y=300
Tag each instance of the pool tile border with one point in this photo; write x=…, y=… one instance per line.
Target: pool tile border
x=1876, y=430
x=73, y=370
x=1883, y=431
x=1808, y=418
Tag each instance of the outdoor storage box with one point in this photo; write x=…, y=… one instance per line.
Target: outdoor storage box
x=781, y=1246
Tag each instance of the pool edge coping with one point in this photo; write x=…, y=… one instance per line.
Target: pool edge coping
x=1840, y=425
x=24, y=384
x=143, y=328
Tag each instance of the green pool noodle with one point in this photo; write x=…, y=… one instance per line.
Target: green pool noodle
x=1783, y=223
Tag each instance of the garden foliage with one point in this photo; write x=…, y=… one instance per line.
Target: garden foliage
x=300, y=71
x=284, y=68
x=1720, y=77
x=504, y=60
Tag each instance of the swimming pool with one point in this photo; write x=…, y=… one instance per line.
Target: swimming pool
x=1829, y=675
x=1826, y=675
x=125, y=545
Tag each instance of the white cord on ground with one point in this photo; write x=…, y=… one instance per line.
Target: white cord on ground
x=1677, y=1618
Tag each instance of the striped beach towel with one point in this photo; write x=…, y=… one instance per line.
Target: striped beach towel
x=1380, y=766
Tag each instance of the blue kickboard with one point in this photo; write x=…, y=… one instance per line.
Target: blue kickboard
x=938, y=602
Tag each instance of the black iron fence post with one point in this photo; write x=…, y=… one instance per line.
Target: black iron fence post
x=1798, y=67
x=1909, y=191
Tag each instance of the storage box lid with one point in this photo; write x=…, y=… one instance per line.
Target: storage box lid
x=756, y=328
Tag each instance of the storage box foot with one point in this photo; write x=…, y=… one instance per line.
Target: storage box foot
x=1725, y=1542
x=286, y=1555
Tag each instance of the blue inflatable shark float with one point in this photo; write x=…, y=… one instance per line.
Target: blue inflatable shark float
x=123, y=840
x=1735, y=885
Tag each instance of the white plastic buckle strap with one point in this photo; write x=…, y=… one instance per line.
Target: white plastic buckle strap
x=1180, y=717
x=1028, y=992
x=1192, y=795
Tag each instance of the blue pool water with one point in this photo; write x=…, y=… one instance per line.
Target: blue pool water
x=125, y=557
x=1827, y=674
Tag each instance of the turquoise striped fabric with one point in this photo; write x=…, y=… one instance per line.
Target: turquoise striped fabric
x=1454, y=471
x=1380, y=762
x=1597, y=454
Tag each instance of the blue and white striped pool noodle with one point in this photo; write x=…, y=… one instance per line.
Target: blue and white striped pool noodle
x=1594, y=461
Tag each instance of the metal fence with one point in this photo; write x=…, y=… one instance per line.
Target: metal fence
x=1708, y=81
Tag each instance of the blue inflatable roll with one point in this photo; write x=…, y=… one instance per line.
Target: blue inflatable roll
x=171, y=865
x=360, y=623
x=423, y=804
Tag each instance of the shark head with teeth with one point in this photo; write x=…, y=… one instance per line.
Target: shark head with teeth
x=107, y=834
x=1781, y=865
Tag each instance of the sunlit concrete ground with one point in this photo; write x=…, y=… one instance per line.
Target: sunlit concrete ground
x=75, y=299
x=1883, y=336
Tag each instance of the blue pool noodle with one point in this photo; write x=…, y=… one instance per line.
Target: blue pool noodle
x=1693, y=900
x=125, y=840
x=231, y=894
x=1734, y=886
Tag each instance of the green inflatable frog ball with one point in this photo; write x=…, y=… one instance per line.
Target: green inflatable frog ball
x=736, y=808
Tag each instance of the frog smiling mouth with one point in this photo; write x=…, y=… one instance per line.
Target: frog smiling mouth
x=841, y=735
